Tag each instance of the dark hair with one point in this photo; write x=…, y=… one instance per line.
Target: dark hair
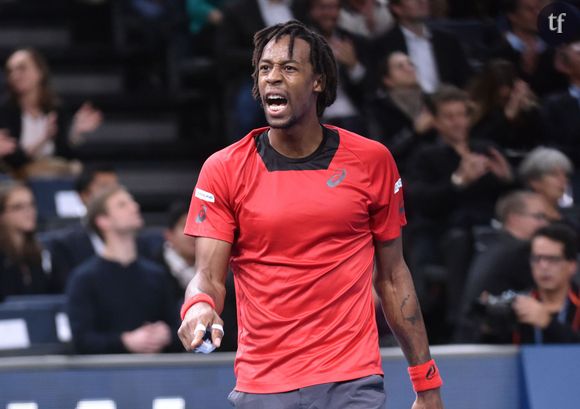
x=30, y=252
x=445, y=94
x=176, y=211
x=563, y=234
x=510, y=6
x=88, y=175
x=98, y=207
x=321, y=57
x=48, y=100
x=485, y=88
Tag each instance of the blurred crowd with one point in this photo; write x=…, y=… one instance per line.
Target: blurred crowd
x=481, y=115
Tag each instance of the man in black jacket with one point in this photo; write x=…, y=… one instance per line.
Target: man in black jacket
x=437, y=55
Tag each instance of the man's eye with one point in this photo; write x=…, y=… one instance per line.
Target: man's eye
x=289, y=68
x=264, y=68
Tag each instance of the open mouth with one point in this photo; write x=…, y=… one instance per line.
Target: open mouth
x=276, y=103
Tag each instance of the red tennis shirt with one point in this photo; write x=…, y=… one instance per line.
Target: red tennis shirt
x=302, y=232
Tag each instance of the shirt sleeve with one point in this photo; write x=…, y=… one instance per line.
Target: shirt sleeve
x=210, y=212
x=387, y=209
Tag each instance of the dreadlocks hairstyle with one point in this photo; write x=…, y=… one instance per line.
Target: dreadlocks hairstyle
x=321, y=58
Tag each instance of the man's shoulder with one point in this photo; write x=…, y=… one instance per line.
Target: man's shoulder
x=150, y=266
x=91, y=267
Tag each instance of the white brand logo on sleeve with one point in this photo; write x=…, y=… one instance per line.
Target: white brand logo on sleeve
x=203, y=195
x=398, y=185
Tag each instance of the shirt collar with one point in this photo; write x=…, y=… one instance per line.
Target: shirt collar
x=575, y=91
x=409, y=35
x=518, y=45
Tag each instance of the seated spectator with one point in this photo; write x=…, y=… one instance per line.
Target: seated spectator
x=365, y=18
x=506, y=111
x=119, y=302
x=504, y=265
x=452, y=186
x=562, y=110
x=74, y=245
x=34, y=127
x=178, y=252
x=521, y=45
x=547, y=172
x=399, y=110
x=550, y=312
x=23, y=267
x=351, y=53
x=436, y=54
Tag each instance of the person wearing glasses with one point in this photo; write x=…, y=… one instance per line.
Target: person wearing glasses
x=502, y=264
x=550, y=313
x=22, y=260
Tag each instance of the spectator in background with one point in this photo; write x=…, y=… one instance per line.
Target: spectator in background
x=506, y=111
x=34, y=126
x=178, y=252
x=562, y=110
x=399, y=109
x=521, y=44
x=504, y=264
x=452, y=186
x=547, y=172
x=351, y=54
x=550, y=313
x=74, y=245
x=119, y=302
x=365, y=18
x=23, y=267
x=437, y=55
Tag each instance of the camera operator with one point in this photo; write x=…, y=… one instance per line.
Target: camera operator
x=551, y=312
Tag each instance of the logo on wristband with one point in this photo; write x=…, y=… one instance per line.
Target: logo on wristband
x=431, y=373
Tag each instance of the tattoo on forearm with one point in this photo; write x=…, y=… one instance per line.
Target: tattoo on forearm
x=410, y=313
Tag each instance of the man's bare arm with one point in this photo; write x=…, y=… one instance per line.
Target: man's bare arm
x=211, y=269
x=394, y=286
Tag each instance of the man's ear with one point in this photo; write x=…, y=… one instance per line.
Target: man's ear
x=319, y=83
x=102, y=222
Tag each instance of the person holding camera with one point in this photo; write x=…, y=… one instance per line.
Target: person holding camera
x=551, y=312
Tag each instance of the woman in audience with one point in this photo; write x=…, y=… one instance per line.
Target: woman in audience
x=505, y=109
x=21, y=256
x=401, y=118
x=34, y=128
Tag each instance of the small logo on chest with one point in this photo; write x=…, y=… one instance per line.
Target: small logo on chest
x=336, y=178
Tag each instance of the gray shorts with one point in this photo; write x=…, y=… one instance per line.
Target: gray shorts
x=362, y=393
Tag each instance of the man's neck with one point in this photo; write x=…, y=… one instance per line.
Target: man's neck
x=298, y=141
x=29, y=103
x=416, y=27
x=554, y=299
x=120, y=248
